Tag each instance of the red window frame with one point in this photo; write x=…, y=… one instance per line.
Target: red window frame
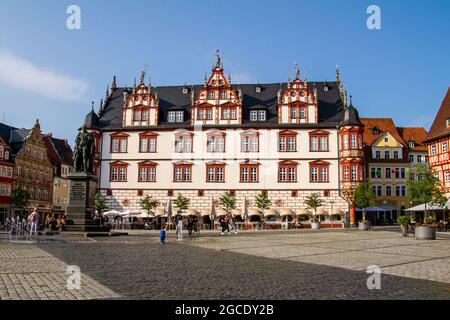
x=359, y=171
x=139, y=110
x=287, y=166
x=319, y=166
x=183, y=168
x=229, y=108
x=215, y=167
x=118, y=166
x=287, y=135
x=204, y=110
x=183, y=135
x=297, y=108
x=216, y=135
x=148, y=137
x=146, y=165
x=249, y=135
x=319, y=135
x=249, y=167
x=119, y=137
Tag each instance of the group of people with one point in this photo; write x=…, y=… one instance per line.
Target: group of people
x=30, y=225
x=228, y=224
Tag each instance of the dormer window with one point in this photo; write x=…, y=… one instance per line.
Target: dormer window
x=411, y=144
x=223, y=95
x=447, y=123
x=258, y=115
x=375, y=131
x=185, y=90
x=175, y=116
x=258, y=89
x=211, y=95
x=326, y=88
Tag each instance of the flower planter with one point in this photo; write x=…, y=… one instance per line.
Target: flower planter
x=315, y=225
x=425, y=233
x=363, y=226
x=404, y=228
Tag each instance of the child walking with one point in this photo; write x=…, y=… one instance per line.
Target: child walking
x=162, y=235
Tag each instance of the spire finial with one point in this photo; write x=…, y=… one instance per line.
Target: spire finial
x=206, y=79
x=142, y=77
x=229, y=78
x=351, y=100
x=338, y=77
x=92, y=105
x=217, y=59
x=107, y=91
x=297, y=71
x=100, y=109
x=113, y=84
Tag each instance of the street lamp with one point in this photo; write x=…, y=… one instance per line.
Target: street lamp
x=332, y=203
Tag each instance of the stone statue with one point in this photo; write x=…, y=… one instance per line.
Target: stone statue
x=84, y=152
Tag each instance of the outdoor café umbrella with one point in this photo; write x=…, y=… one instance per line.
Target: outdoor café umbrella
x=191, y=212
x=111, y=213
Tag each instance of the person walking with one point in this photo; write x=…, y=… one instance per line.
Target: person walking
x=33, y=218
x=232, y=225
x=162, y=235
x=179, y=224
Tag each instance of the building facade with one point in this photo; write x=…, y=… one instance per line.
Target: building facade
x=32, y=168
x=438, y=141
x=392, y=153
x=6, y=174
x=60, y=155
x=204, y=140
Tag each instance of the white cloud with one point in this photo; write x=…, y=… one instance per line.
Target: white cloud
x=242, y=77
x=22, y=74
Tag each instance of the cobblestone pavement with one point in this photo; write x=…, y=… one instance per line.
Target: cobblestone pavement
x=259, y=265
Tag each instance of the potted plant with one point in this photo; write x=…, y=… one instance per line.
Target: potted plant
x=426, y=231
x=314, y=202
x=428, y=190
x=403, y=221
x=364, y=198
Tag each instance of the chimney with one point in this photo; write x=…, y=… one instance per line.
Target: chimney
x=50, y=135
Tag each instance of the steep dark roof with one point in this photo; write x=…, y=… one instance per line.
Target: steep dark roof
x=5, y=131
x=331, y=110
x=351, y=117
x=91, y=120
x=439, y=127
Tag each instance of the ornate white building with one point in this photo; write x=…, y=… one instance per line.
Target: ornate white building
x=289, y=139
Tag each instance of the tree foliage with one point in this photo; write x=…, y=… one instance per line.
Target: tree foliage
x=100, y=202
x=182, y=203
x=20, y=197
x=228, y=201
x=364, y=197
x=314, y=201
x=426, y=188
x=262, y=201
x=147, y=203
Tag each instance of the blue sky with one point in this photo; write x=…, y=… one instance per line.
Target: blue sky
x=401, y=71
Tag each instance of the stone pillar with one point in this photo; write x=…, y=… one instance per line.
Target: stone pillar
x=81, y=204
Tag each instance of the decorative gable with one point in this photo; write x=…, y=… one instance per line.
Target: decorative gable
x=298, y=103
x=141, y=107
x=217, y=102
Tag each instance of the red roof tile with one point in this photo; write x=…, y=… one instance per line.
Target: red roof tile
x=439, y=127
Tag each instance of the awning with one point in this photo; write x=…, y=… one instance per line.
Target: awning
x=221, y=212
x=372, y=209
x=254, y=212
x=111, y=213
x=421, y=207
x=191, y=212
x=303, y=212
x=286, y=212
x=270, y=212
x=160, y=213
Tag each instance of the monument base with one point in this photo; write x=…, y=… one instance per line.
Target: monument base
x=80, y=210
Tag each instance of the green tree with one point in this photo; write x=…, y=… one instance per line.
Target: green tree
x=147, y=203
x=20, y=197
x=228, y=201
x=100, y=202
x=182, y=203
x=262, y=201
x=314, y=202
x=364, y=197
x=426, y=188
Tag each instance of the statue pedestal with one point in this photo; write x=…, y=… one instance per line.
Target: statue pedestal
x=81, y=206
